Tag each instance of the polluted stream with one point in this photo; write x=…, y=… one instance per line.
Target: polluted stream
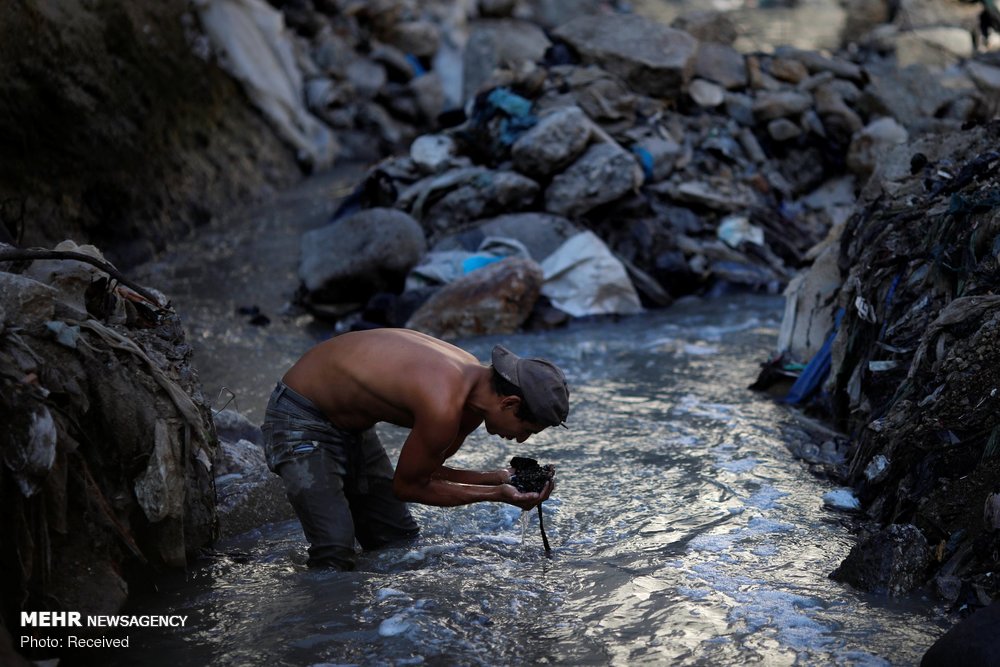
x=682, y=529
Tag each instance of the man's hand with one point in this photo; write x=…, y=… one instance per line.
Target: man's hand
x=526, y=501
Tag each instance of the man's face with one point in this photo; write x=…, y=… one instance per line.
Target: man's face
x=508, y=425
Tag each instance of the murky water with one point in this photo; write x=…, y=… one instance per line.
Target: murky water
x=682, y=530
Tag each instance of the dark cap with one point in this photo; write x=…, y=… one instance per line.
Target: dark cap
x=541, y=382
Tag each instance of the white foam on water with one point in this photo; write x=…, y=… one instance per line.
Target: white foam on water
x=739, y=465
x=417, y=555
x=766, y=498
x=394, y=625
x=697, y=349
x=386, y=593
x=762, y=525
x=841, y=499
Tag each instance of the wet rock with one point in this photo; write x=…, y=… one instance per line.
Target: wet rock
x=816, y=62
x=708, y=26
x=788, y=69
x=782, y=129
x=722, y=64
x=739, y=107
x=651, y=58
x=603, y=97
x=433, y=152
x=933, y=47
x=706, y=94
x=540, y=233
x=718, y=195
x=421, y=38
x=248, y=494
x=781, y=104
x=25, y=302
x=556, y=140
x=986, y=77
x=840, y=121
x=892, y=561
x=553, y=13
x=601, y=175
x=495, y=299
x=355, y=257
x=429, y=97
x=366, y=77
x=658, y=156
x=496, y=8
x=872, y=142
x=473, y=195
x=913, y=97
x=232, y=426
x=496, y=45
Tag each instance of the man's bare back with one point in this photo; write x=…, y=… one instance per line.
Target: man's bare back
x=361, y=378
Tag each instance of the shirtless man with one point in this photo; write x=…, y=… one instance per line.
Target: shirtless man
x=319, y=433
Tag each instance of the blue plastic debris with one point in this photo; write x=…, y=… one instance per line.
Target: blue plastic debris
x=816, y=370
x=470, y=264
x=418, y=69
x=646, y=160
x=517, y=109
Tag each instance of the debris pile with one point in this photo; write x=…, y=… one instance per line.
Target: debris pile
x=693, y=168
x=107, y=443
x=913, y=361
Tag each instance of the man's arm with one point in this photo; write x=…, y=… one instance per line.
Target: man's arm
x=421, y=476
x=481, y=477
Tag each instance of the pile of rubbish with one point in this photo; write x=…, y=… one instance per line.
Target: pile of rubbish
x=908, y=365
x=107, y=442
x=621, y=164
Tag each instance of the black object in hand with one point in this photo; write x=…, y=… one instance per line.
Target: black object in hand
x=529, y=477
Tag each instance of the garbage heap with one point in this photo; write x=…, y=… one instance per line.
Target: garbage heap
x=107, y=442
x=911, y=290
x=631, y=164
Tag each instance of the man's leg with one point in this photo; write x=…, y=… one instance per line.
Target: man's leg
x=379, y=517
x=314, y=484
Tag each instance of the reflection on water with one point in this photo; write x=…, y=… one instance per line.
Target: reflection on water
x=682, y=533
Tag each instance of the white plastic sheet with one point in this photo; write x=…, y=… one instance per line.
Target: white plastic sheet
x=583, y=277
x=255, y=48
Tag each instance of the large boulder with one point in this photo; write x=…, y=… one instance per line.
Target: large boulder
x=540, y=233
x=357, y=256
x=652, y=58
x=499, y=44
x=495, y=299
x=603, y=174
x=555, y=141
x=442, y=203
x=893, y=561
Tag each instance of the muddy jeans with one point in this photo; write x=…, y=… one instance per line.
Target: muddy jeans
x=339, y=482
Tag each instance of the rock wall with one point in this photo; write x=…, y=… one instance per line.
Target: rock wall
x=112, y=130
x=107, y=442
x=913, y=377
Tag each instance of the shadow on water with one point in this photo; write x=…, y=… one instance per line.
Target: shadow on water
x=683, y=532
